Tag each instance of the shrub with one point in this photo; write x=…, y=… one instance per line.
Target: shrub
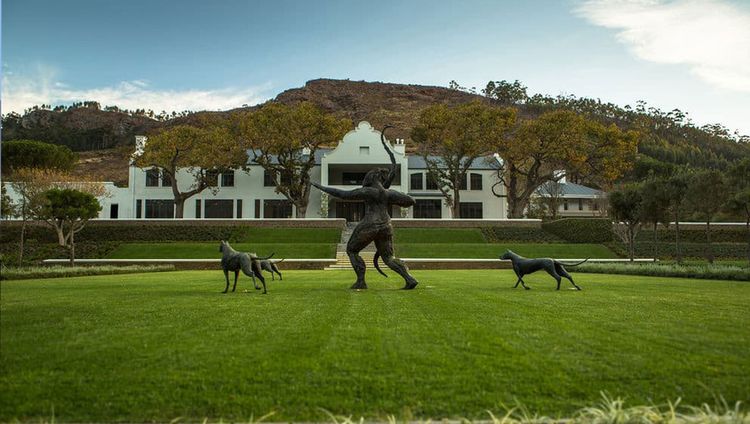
x=36, y=154
x=581, y=230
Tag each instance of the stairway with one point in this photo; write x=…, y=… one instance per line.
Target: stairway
x=342, y=260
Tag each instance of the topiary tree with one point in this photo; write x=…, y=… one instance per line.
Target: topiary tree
x=68, y=211
x=677, y=190
x=707, y=194
x=655, y=206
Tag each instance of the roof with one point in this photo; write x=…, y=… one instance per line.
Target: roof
x=567, y=189
x=319, y=153
x=480, y=163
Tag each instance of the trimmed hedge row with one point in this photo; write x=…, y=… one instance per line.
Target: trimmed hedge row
x=581, y=230
x=34, y=252
x=644, y=249
x=512, y=233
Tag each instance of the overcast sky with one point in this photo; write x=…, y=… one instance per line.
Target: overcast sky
x=185, y=54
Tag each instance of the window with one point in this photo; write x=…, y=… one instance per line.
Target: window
x=227, y=179
x=114, y=210
x=580, y=204
x=268, y=179
x=219, y=208
x=364, y=150
x=352, y=178
x=431, y=183
x=565, y=205
x=277, y=209
x=166, y=179
x=212, y=178
x=476, y=181
x=415, y=181
x=138, y=208
x=197, y=208
x=152, y=178
x=257, y=208
x=239, y=209
x=427, y=208
x=463, y=185
x=595, y=205
x=159, y=208
x=470, y=210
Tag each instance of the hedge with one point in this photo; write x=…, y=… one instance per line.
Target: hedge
x=645, y=249
x=35, y=252
x=514, y=233
x=581, y=230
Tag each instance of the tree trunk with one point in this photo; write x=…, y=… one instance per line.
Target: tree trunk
x=23, y=236
x=300, y=211
x=631, y=244
x=512, y=194
x=677, y=237
x=179, y=207
x=709, y=250
x=72, y=247
x=656, y=241
x=456, y=207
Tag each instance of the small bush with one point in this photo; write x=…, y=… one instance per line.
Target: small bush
x=707, y=272
x=581, y=230
x=58, y=271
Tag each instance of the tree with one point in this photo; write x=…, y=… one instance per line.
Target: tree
x=36, y=154
x=284, y=141
x=625, y=208
x=31, y=183
x=677, y=191
x=561, y=140
x=68, y=211
x=707, y=194
x=551, y=197
x=7, y=207
x=655, y=207
x=739, y=200
x=451, y=139
x=509, y=93
x=200, y=152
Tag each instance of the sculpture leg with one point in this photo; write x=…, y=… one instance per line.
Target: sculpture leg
x=384, y=244
x=359, y=239
x=226, y=276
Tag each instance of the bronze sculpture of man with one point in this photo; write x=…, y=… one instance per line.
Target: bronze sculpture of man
x=376, y=224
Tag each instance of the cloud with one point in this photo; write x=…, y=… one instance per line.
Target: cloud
x=21, y=92
x=712, y=37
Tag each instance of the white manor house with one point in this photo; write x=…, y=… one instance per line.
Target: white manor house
x=251, y=194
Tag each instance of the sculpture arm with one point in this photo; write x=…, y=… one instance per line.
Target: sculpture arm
x=400, y=199
x=356, y=194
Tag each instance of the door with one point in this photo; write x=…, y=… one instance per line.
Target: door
x=352, y=211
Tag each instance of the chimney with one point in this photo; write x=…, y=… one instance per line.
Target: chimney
x=399, y=146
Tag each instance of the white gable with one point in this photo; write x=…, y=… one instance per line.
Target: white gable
x=362, y=146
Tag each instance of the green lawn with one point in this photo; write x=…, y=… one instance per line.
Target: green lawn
x=154, y=347
x=494, y=250
x=205, y=250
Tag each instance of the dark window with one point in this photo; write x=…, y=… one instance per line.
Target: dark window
x=227, y=179
x=277, y=209
x=166, y=179
x=216, y=208
x=268, y=179
x=239, y=208
x=431, y=183
x=415, y=181
x=352, y=178
x=595, y=205
x=463, y=185
x=470, y=210
x=257, y=208
x=197, y=208
x=152, y=178
x=476, y=181
x=159, y=208
x=580, y=204
x=212, y=178
x=138, y=208
x=427, y=208
x=565, y=205
x=114, y=210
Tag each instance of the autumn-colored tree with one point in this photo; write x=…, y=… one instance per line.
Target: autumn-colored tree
x=451, y=139
x=68, y=211
x=198, y=151
x=284, y=140
x=561, y=140
x=30, y=184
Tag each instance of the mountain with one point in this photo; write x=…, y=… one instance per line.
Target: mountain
x=86, y=127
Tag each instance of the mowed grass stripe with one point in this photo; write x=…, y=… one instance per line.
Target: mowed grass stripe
x=158, y=346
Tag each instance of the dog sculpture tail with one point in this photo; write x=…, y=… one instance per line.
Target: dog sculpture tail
x=375, y=262
x=579, y=263
x=279, y=261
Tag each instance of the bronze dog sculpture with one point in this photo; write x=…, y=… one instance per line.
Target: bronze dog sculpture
x=249, y=263
x=376, y=224
x=524, y=266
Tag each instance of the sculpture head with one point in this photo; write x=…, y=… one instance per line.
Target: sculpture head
x=375, y=176
x=222, y=245
x=507, y=255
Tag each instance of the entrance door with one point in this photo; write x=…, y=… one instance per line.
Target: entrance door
x=352, y=211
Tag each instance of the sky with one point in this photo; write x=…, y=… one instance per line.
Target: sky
x=215, y=55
